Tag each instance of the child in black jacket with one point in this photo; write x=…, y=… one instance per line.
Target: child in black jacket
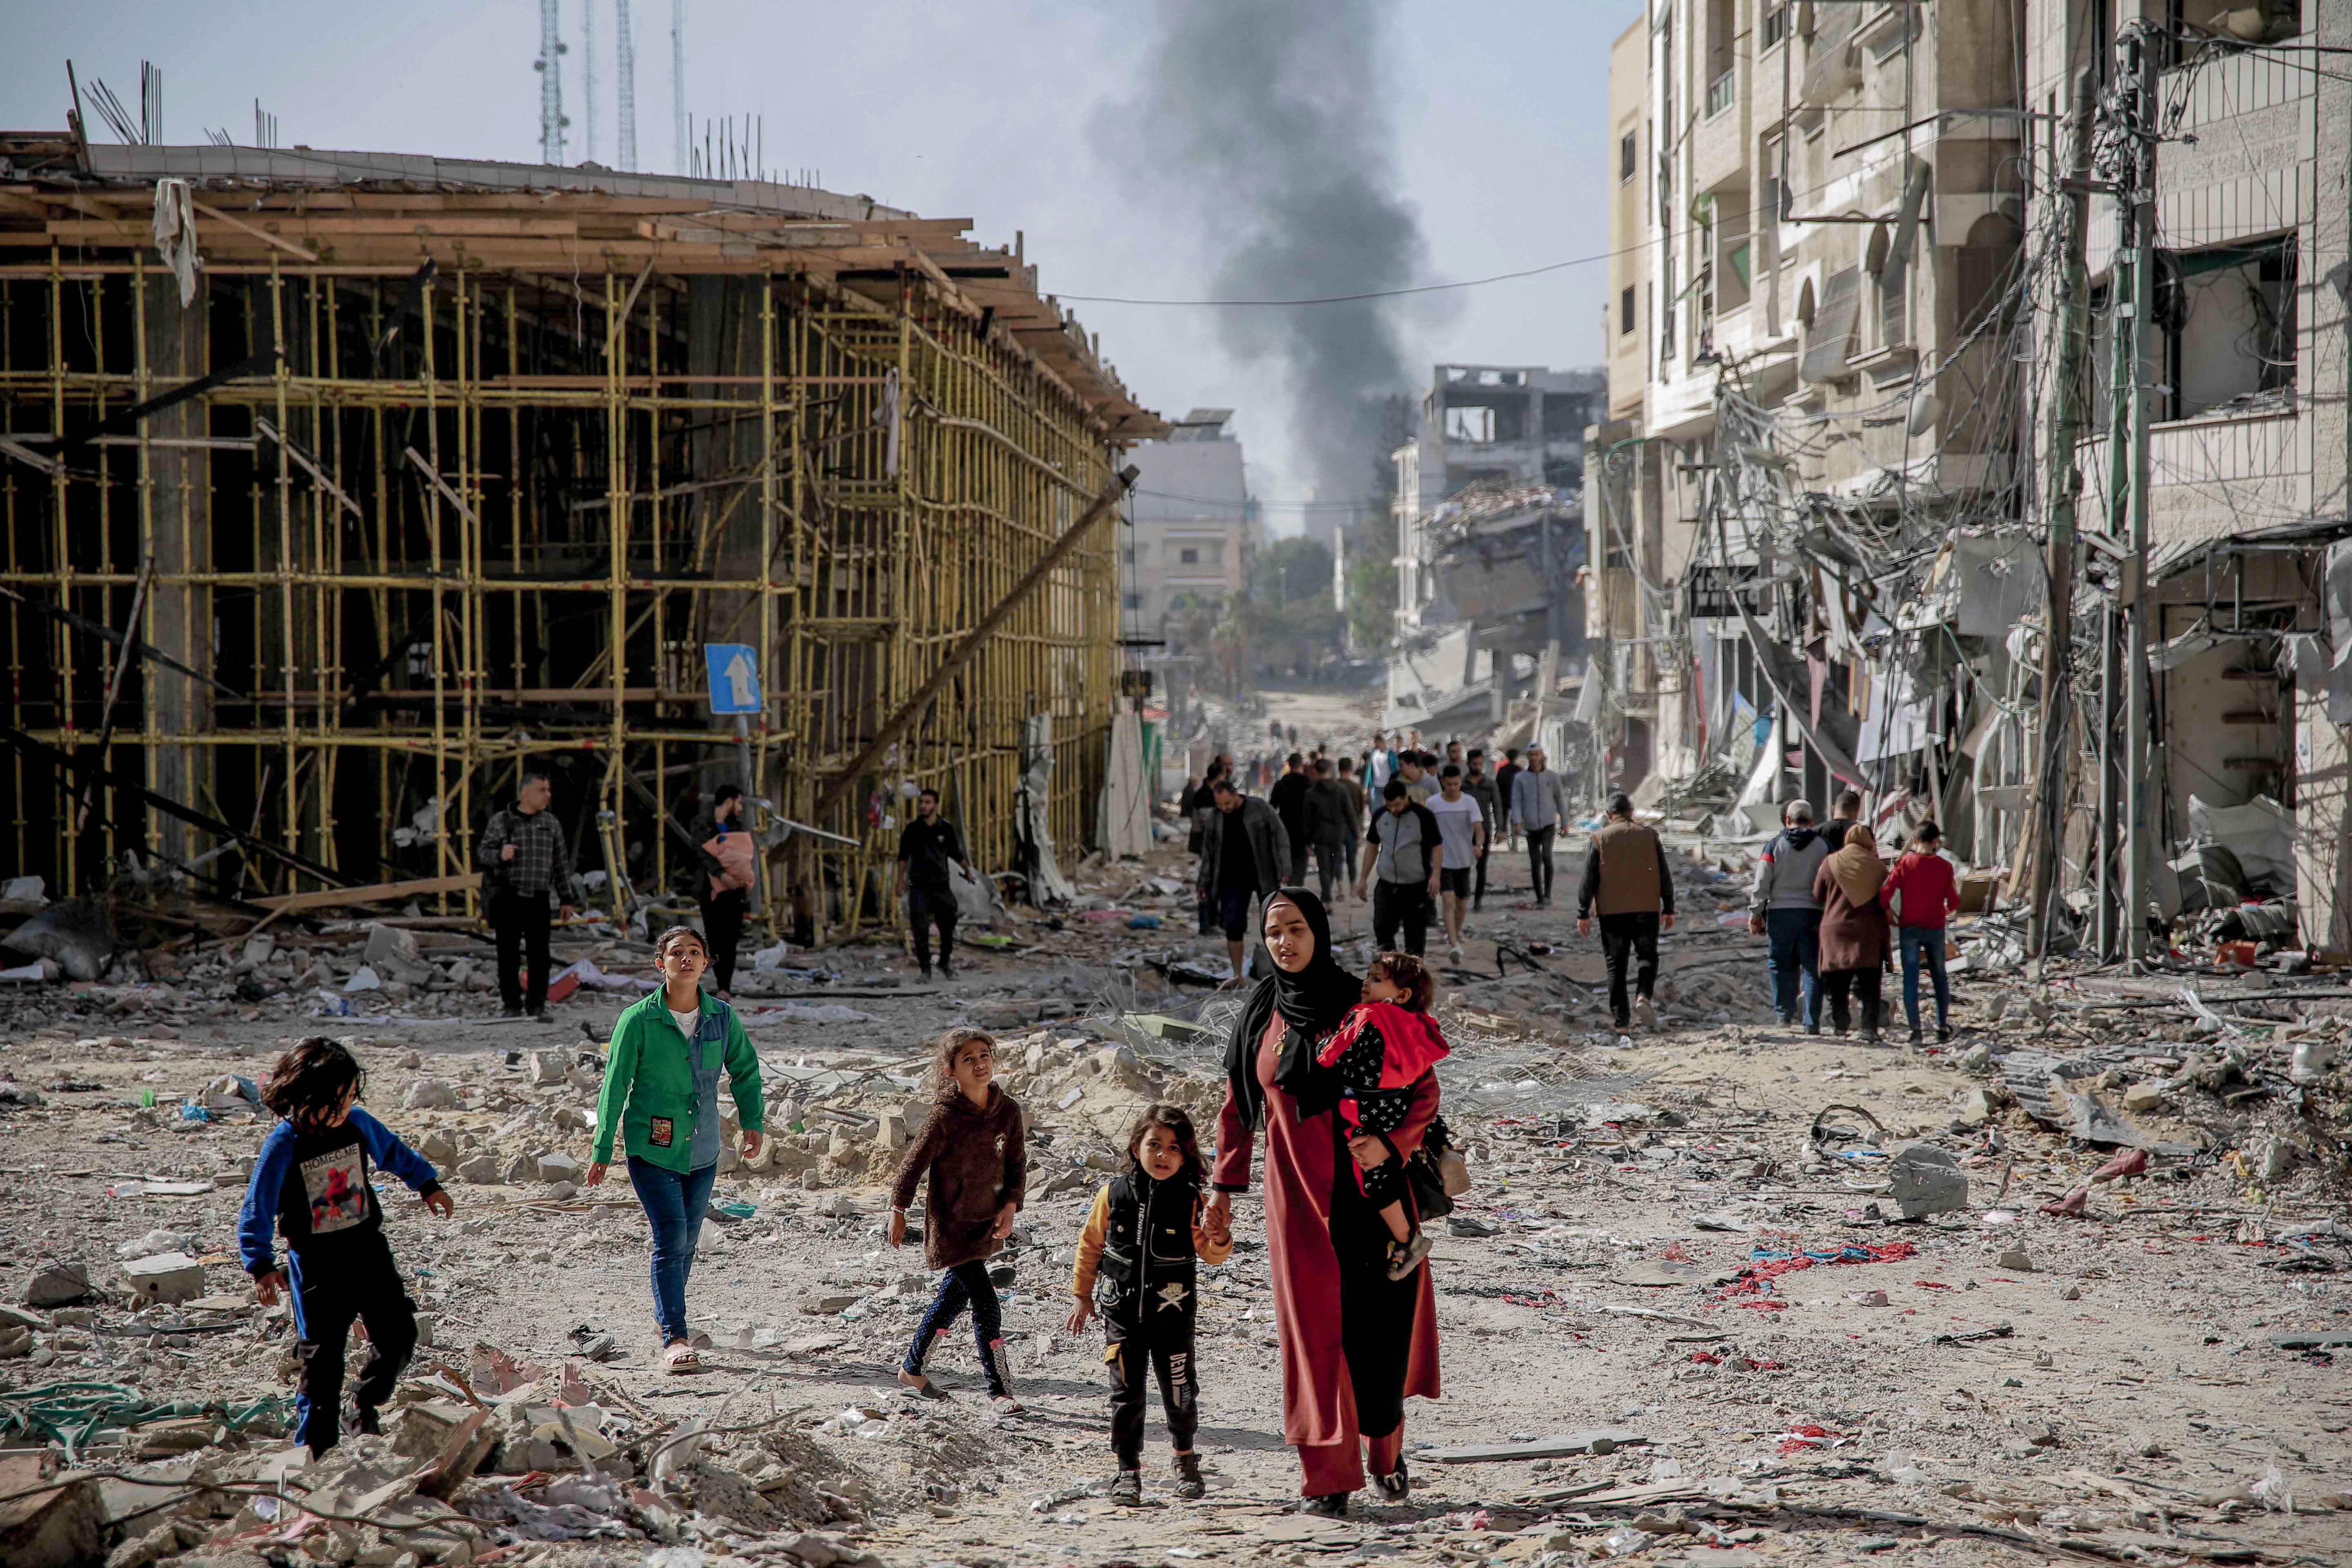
x=1146, y=1236
x=311, y=1184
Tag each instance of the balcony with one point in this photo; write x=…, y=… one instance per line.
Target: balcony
x=1722, y=93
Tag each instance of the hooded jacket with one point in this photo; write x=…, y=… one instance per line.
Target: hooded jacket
x=1784, y=875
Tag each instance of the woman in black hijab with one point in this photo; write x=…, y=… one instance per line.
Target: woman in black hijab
x=1354, y=1344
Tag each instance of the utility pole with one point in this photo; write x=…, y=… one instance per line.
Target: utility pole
x=551, y=85
x=678, y=81
x=588, y=83
x=625, y=62
x=2049, y=827
x=2135, y=239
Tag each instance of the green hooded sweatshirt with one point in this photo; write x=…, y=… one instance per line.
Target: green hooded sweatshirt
x=670, y=1085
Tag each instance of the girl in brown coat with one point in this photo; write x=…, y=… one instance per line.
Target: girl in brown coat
x=1853, y=928
x=971, y=1147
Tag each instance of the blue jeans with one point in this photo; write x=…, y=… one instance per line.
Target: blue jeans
x=967, y=1284
x=674, y=1204
x=1795, y=936
x=1924, y=943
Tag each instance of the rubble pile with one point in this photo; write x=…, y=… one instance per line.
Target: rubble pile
x=2070, y=1283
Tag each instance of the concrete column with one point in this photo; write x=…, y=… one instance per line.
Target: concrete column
x=176, y=517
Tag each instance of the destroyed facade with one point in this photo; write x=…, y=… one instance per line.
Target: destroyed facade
x=1939, y=464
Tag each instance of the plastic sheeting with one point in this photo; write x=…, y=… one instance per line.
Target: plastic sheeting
x=2261, y=833
x=1125, y=814
x=1045, y=879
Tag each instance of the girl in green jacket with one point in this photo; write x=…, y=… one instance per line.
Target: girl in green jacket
x=661, y=1089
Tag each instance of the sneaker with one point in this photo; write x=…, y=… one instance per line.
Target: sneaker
x=1453, y=953
x=1813, y=1028
x=1787, y=1020
x=1330, y=1505
x=1126, y=1488
x=1188, y=1484
x=1621, y=1024
x=946, y=970
x=1396, y=1485
x=924, y=971
x=1943, y=1034
x=1645, y=1013
x=1916, y=1037
x=542, y=1017
x=363, y=1419
x=512, y=1012
x=1404, y=1257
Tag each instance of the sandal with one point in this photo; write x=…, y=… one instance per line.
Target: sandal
x=680, y=1358
x=1008, y=1405
x=918, y=1384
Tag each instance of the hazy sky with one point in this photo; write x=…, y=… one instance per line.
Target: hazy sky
x=992, y=112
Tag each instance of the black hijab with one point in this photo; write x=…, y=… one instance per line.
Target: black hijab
x=1312, y=1002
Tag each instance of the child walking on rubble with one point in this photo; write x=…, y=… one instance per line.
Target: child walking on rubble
x=310, y=1184
x=1147, y=1237
x=1381, y=1050
x=971, y=1148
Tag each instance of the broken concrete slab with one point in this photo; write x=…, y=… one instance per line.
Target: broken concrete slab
x=56, y=1285
x=1925, y=1180
x=166, y=1277
x=61, y=1526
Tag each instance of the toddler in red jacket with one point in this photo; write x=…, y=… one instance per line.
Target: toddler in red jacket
x=1381, y=1050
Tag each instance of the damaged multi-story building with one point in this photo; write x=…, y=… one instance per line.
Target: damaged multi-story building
x=336, y=488
x=1490, y=539
x=1904, y=291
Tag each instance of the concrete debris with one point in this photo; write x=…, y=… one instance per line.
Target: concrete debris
x=1924, y=1180
x=1630, y=1256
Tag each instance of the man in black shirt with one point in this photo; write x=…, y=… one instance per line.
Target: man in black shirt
x=1243, y=852
x=925, y=848
x=1288, y=798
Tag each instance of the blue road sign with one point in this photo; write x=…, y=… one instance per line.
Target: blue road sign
x=734, y=677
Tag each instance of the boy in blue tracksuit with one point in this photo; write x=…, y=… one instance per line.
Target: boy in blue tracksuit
x=311, y=1184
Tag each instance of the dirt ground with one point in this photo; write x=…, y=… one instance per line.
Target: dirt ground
x=1655, y=1247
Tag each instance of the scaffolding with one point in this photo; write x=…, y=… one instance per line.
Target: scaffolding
x=404, y=475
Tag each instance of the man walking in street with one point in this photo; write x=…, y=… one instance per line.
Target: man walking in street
x=1379, y=763
x=1539, y=805
x=1330, y=824
x=1480, y=788
x=1403, y=849
x=926, y=847
x=526, y=865
x=1844, y=815
x=1462, y=825
x=1243, y=852
x=1351, y=785
x=1412, y=768
x=1921, y=894
x=1203, y=807
x=1504, y=778
x=1288, y=798
x=1782, y=907
x=1627, y=881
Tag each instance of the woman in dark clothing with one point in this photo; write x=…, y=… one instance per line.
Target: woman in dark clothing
x=1854, y=930
x=1354, y=1343
x=722, y=892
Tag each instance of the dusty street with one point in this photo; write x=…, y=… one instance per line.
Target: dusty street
x=1657, y=1252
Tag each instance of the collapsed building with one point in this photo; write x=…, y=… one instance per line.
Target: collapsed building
x=1974, y=438
x=1490, y=545
x=339, y=488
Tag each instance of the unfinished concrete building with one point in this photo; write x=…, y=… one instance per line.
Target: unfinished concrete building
x=336, y=488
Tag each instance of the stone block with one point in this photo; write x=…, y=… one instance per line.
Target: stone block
x=165, y=1276
x=1926, y=1180
x=561, y=1167
x=57, y=1285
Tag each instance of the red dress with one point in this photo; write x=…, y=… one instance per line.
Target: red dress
x=1354, y=1344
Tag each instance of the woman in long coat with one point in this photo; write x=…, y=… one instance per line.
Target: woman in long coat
x=1853, y=946
x=1354, y=1344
